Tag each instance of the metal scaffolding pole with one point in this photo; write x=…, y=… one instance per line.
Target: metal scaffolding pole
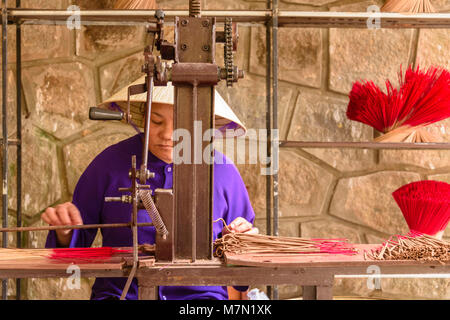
x=285, y=18
x=19, y=138
x=274, y=133
x=268, y=127
x=5, y=137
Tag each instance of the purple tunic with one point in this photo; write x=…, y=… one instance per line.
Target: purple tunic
x=109, y=171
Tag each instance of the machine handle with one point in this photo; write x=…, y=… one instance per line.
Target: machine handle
x=103, y=114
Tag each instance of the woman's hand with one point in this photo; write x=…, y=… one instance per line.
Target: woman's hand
x=240, y=225
x=65, y=214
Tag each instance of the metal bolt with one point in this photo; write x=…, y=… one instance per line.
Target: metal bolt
x=205, y=23
x=205, y=47
x=184, y=22
x=159, y=14
x=183, y=46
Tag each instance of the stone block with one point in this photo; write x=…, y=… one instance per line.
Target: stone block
x=287, y=227
x=119, y=74
x=417, y=288
x=59, y=96
x=303, y=186
x=248, y=101
x=367, y=200
x=299, y=51
x=312, y=2
x=319, y=117
x=433, y=48
x=94, y=42
x=45, y=42
x=41, y=181
x=58, y=289
x=234, y=5
x=43, y=4
x=329, y=229
x=360, y=6
x=429, y=159
x=373, y=239
x=379, y=52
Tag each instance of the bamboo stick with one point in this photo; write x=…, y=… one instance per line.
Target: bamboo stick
x=421, y=248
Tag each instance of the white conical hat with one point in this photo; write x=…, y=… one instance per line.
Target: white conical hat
x=226, y=120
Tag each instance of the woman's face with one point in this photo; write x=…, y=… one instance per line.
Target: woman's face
x=161, y=130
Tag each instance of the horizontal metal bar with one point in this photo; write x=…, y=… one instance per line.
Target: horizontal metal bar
x=85, y=226
x=285, y=18
x=11, y=142
x=365, y=145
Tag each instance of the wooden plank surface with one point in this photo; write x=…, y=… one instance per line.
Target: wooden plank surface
x=232, y=269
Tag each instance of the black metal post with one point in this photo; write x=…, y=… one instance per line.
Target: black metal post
x=274, y=135
x=19, y=139
x=269, y=128
x=5, y=138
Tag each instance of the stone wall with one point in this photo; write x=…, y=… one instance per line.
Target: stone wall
x=323, y=192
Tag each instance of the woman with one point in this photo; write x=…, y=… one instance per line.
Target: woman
x=109, y=171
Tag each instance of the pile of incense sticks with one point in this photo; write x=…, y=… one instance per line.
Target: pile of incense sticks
x=265, y=245
x=75, y=255
x=413, y=246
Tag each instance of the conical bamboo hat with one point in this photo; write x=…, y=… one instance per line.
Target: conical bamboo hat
x=226, y=120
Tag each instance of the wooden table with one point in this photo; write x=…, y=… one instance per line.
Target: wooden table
x=314, y=273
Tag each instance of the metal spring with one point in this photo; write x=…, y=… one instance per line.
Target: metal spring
x=195, y=8
x=153, y=212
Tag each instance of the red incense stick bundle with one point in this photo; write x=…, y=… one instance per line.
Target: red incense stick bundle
x=85, y=254
x=423, y=97
x=425, y=206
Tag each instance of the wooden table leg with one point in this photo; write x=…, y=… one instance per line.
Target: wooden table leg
x=321, y=290
x=318, y=292
x=148, y=292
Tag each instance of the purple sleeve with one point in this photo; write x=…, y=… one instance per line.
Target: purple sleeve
x=88, y=198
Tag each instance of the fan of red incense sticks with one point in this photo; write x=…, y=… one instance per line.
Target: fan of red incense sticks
x=425, y=205
x=422, y=98
x=86, y=255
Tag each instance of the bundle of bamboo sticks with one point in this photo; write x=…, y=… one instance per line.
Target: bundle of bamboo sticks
x=8, y=254
x=419, y=247
x=67, y=255
x=242, y=243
